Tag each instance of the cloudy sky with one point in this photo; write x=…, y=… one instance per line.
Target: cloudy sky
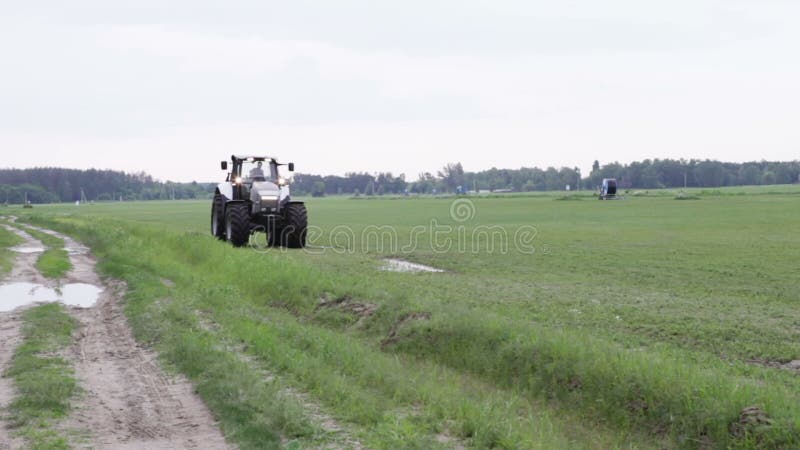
x=172, y=87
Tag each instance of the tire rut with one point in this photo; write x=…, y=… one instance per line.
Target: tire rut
x=10, y=338
x=128, y=402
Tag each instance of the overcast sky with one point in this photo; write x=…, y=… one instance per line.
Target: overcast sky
x=173, y=87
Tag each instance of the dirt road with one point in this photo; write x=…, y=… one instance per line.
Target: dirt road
x=128, y=400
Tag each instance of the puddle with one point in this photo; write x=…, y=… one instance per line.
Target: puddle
x=24, y=249
x=14, y=295
x=77, y=250
x=399, y=265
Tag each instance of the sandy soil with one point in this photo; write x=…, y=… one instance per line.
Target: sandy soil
x=128, y=402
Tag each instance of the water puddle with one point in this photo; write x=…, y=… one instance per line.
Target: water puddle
x=77, y=250
x=14, y=295
x=27, y=249
x=399, y=265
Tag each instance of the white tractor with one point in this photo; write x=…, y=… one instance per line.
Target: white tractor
x=255, y=197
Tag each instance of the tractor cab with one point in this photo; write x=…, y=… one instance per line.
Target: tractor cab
x=247, y=169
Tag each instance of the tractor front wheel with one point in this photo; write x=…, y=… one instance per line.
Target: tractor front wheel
x=295, y=225
x=237, y=224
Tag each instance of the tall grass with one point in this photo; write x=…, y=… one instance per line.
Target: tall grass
x=390, y=400
x=269, y=304
x=7, y=239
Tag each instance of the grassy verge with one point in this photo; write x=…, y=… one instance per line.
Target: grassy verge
x=387, y=399
x=44, y=383
x=54, y=262
x=7, y=239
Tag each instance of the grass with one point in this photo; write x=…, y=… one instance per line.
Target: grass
x=386, y=400
x=628, y=324
x=54, y=262
x=44, y=382
x=7, y=240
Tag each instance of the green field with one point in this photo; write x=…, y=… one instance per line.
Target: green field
x=643, y=323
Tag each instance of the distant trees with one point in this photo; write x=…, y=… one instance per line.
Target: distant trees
x=51, y=185
x=452, y=176
x=646, y=174
x=381, y=183
x=64, y=185
x=318, y=190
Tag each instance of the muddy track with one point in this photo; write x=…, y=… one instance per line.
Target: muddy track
x=128, y=400
x=10, y=333
x=9, y=339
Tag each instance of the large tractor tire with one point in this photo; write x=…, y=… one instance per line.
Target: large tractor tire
x=237, y=224
x=295, y=225
x=218, y=218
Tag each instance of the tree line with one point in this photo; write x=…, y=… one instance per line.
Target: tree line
x=647, y=174
x=54, y=185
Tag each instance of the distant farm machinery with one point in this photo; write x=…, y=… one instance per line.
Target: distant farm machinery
x=608, y=191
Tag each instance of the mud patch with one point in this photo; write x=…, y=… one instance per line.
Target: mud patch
x=752, y=421
x=401, y=265
x=791, y=365
x=359, y=311
x=449, y=441
x=346, y=304
x=129, y=401
x=76, y=249
x=15, y=295
x=394, y=334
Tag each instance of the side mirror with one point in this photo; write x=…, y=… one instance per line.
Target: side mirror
x=224, y=165
x=291, y=167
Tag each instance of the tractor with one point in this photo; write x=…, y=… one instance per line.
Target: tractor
x=255, y=197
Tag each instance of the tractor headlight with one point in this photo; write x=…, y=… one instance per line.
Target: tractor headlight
x=238, y=180
x=282, y=181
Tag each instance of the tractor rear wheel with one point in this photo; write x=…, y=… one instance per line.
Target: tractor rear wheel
x=237, y=224
x=295, y=225
x=218, y=218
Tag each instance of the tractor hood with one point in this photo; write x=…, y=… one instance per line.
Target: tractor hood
x=267, y=196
